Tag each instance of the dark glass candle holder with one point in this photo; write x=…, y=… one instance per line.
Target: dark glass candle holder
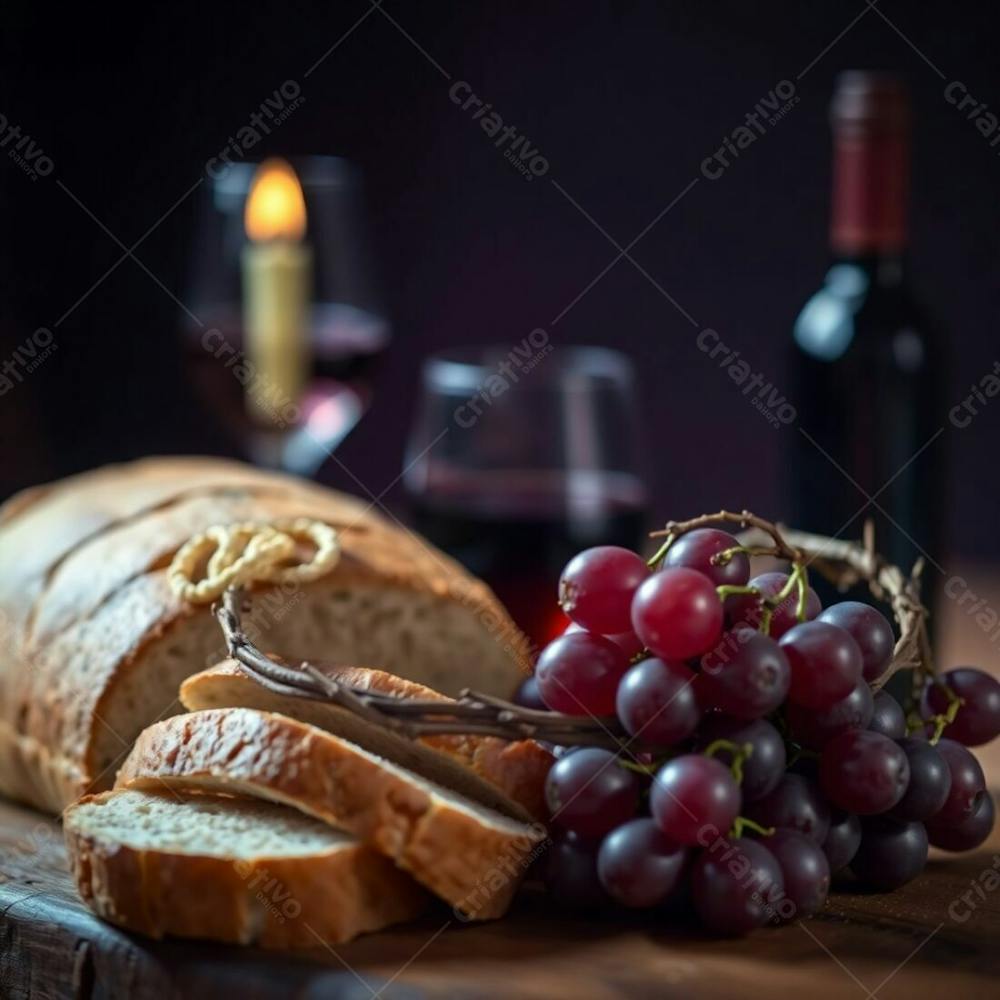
x=347, y=327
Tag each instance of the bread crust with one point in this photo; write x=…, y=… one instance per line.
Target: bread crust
x=517, y=768
x=279, y=902
x=83, y=595
x=469, y=856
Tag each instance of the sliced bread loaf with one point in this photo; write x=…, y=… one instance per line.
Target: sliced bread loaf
x=471, y=856
x=94, y=643
x=507, y=776
x=230, y=869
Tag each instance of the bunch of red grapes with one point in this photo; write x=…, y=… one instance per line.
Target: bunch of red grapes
x=761, y=763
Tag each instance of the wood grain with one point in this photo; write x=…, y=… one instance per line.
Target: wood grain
x=921, y=941
x=917, y=942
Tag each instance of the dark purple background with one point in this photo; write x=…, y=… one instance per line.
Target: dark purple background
x=624, y=100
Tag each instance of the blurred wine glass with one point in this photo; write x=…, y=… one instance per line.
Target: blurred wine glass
x=347, y=329
x=519, y=459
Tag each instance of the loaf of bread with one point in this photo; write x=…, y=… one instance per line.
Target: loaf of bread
x=504, y=775
x=94, y=644
x=230, y=869
x=471, y=856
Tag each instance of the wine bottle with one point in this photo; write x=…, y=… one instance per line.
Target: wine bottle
x=867, y=368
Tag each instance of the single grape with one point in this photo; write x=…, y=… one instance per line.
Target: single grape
x=796, y=803
x=748, y=681
x=656, y=702
x=677, y=614
x=863, y=772
x=804, y=870
x=736, y=886
x=597, y=586
x=970, y=833
x=528, y=696
x=842, y=839
x=978, y=719
x=765, y=766
x=891, y=853
x=887, y=716
x=748, y=609
x=696, y=549
x=930, y=781
x=578, y=674
x=814, y=729
x=639, y=865
x=571, y=872
x=694, y=796
x=869, y=628
x=825, y=662
x=590, y=793
x=628, y=642
x=968, y=784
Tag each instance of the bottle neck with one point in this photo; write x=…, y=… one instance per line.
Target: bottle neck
x=870, y=188
x=883, y=269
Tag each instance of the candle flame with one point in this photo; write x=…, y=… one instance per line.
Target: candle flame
x=275, y=208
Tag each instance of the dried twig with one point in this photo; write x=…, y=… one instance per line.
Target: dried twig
x=474, y=712
x=842, y=562
x=846, y=563
x=780, y=548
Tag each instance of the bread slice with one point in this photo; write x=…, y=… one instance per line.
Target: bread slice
x=508, y=776
x=94, y=644
x=471, y=856
x=230, y=869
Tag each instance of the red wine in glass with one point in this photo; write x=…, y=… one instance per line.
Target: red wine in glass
x=515, y=496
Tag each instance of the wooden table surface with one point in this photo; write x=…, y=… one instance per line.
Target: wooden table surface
x=922, y=941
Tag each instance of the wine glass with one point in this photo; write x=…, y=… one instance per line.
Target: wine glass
x=347, y=329
x=519, y=458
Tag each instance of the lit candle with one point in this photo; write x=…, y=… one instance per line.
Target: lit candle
x=277, y=278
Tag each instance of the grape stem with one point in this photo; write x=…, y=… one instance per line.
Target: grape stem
x=742, y=823
x=797, y=578
x=943, y=720
x=740, y=751
x=648, y=769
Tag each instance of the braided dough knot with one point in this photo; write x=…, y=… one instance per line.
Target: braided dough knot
x=251, y=552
